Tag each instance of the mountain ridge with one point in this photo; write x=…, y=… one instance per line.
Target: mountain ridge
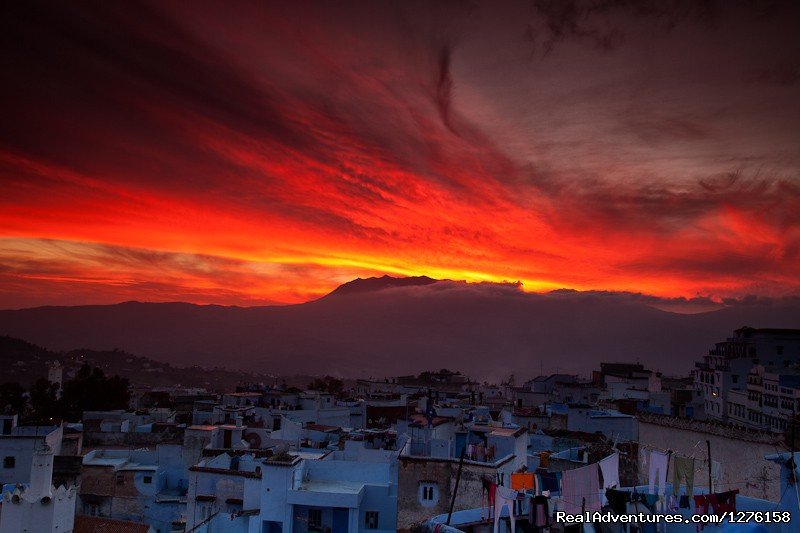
x=387, y=328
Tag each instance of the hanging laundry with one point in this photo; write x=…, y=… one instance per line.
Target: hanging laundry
x=550, y=481
x=723, y=502
x=643, y=465
x=490, y=453
x=539, y=512
x=701, y=504
x=657, y=471
x=649, y=500
x=489, y=489
x=636, y=508
x=672, y=504
x=544, y=457
x=523, y=481
x=618, y=500
x=504, y=497
x=609, y=467
x=580, y=489
x=682, y=468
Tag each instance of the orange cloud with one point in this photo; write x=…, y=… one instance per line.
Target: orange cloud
x=206, y=159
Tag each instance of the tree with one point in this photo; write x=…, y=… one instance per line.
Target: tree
x=44, y=400
x=12, y=398
x=327, y=384
x=90, y=389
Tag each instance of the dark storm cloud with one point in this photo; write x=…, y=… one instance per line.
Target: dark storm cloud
x=444, y=86
x=106, y=47
x=605, y=23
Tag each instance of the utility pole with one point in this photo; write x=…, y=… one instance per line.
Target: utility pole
x=458, y=479
x=710, y=482
x=792, y=461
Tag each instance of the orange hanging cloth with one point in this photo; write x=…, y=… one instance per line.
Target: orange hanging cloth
x=523, y=481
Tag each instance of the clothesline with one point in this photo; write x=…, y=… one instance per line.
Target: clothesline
x=673, y=452
x=579, y=499
x=630, y=489
x=702, y=464
x=697, y=466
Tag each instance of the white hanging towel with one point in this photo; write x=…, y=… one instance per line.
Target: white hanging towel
x=657, y=473
x=609, y=467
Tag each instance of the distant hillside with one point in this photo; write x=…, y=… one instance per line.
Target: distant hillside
x=25, y=363
x=384, y=326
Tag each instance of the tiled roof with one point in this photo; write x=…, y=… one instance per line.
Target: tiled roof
x=96, y=524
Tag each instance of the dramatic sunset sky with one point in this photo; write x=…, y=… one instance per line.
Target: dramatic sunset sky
x=259, y=152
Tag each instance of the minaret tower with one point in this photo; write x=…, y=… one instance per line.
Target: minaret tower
x=38, y=507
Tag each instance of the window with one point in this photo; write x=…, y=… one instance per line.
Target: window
x=120, y=479
x=9, y=462
x=371, y=520
x=428, y=493
x=147, y=480
x=315, y=518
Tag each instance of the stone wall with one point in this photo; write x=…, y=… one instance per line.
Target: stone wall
x=97, y=480
x=740, y=452
x=413, y=471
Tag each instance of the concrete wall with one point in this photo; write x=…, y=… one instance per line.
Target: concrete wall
x=194, y=441
x=590, y=420
x=377, y=497
x=274, y=482
x=333, y=416
x=97, y=480
x=21, y=449
x=56, y=516
x=221, y=485
x=743, y=464
x=414, y=471
x=21, y=445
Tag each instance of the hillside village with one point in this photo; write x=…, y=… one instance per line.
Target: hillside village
x=400, y=453
x=25, y=363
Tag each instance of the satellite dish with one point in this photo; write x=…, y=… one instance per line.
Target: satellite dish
x=254, y=439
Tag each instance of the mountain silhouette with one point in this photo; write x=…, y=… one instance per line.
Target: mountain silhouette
x=384, y=282
x=395, y=326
